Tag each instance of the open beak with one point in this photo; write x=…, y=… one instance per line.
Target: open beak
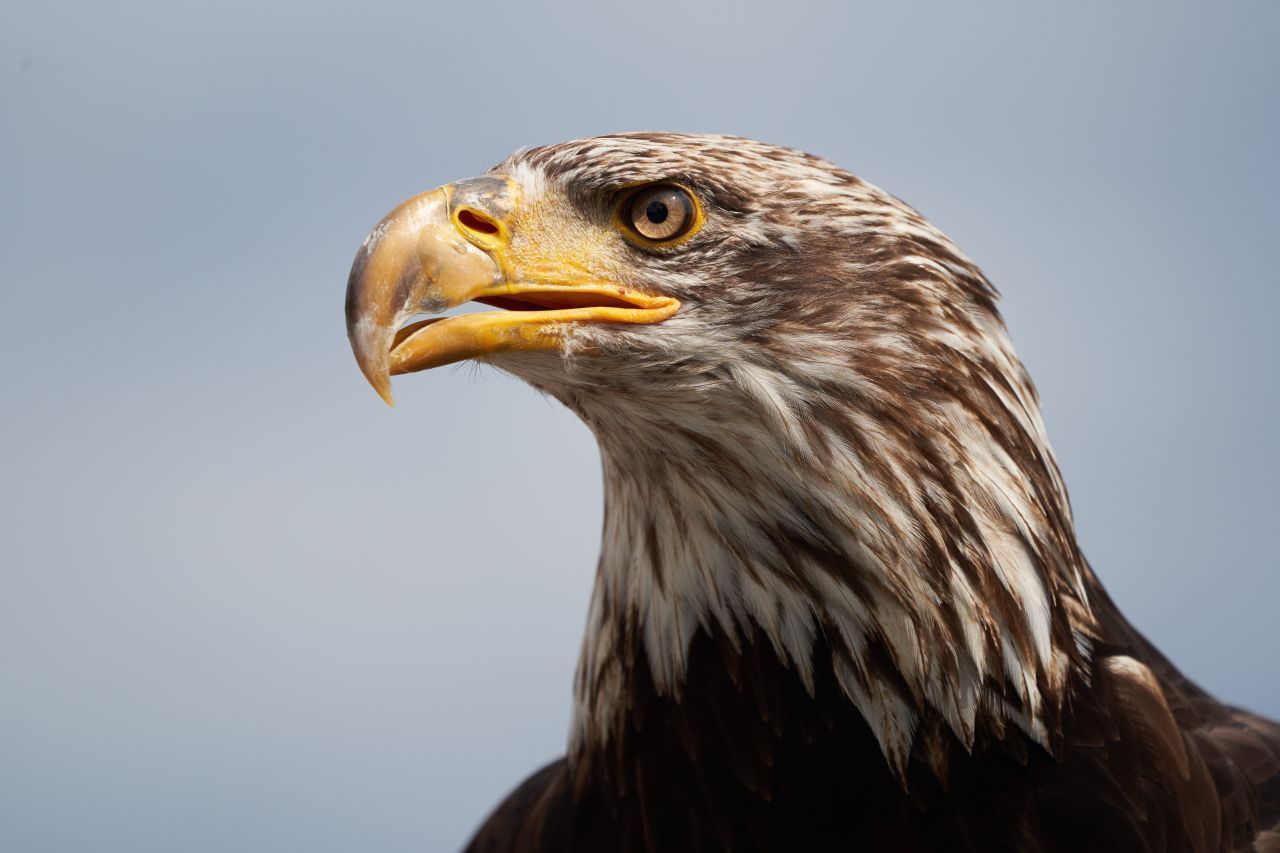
x=446, y=247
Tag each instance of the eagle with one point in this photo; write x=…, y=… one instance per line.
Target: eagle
x=840, y=602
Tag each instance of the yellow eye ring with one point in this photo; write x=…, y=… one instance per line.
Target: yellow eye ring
x=659, y=215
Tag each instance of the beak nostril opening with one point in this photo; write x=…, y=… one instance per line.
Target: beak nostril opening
x=477, y=222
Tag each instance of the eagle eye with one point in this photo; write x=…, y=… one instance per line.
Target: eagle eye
x=659, y=214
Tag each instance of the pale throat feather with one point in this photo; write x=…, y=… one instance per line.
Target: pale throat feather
x=749, y=505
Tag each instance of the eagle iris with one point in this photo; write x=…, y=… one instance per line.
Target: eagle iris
x=660, y=213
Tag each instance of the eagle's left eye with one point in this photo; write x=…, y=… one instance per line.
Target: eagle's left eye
x=660, y=214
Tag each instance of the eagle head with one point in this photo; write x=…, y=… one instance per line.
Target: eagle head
x=812, y=421
x=649, y=262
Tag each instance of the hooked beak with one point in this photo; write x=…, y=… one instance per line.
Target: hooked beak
x=446, y=247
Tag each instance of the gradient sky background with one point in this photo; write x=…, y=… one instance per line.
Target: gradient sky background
x=244, y=606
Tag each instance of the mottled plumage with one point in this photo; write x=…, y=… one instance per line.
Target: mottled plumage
x=840, y=602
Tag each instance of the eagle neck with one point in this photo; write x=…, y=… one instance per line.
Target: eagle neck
x=936, y=589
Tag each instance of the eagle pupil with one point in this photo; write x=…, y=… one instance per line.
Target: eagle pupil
x=656, y=212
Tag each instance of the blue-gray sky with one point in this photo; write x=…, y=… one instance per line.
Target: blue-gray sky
x=244, y=606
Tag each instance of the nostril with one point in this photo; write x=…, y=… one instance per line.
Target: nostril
x=477, y=222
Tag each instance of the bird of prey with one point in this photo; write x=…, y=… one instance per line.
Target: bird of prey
x=840, y=602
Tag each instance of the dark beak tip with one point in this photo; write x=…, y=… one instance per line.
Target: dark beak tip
x=379, y=377
x=372, y=352
x=383, y=389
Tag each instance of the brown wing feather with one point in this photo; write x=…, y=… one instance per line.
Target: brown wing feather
x=1235, y=754
x=529, y=818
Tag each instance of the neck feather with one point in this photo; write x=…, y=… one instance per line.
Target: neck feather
x=927, y=557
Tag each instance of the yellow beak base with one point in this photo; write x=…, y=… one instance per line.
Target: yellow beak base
x=424, y=257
